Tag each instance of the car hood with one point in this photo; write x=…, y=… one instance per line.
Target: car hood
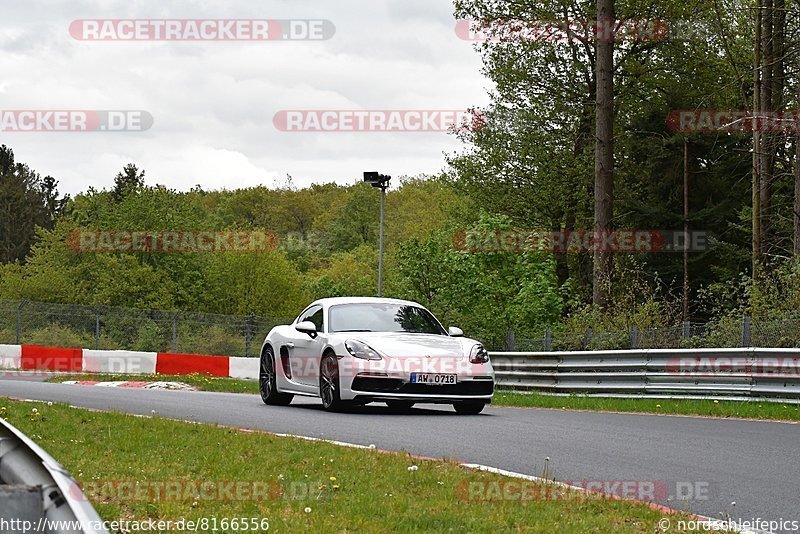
x=402, y=344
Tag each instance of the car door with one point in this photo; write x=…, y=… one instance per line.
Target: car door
x=307, y=350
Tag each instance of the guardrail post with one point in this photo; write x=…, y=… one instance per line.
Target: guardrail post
x=634, y=337
x=548, y=340
x=510, y=341
x=248, y=333
x=175, y=332
x=19, y=320
x=746, y=331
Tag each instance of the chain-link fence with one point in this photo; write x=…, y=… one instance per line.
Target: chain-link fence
x=728, y=332
x=112, y=327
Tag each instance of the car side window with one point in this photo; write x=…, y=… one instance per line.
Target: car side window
x=316, y=318
x=314, y=315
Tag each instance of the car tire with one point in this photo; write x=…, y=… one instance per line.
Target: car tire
x=329, y=390
x=400, y=405
x=268, y=383
x=469, y=408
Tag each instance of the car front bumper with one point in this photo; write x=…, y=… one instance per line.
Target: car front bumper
x=366, y=387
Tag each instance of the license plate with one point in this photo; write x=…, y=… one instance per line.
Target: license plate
x=437, y=379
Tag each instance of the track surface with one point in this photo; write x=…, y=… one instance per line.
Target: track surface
x=752, y=463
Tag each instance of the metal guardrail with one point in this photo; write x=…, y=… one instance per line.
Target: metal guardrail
x=37, y=491
x=749, y=373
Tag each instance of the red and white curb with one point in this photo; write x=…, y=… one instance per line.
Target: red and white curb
x=37, y=358
x=133, y=384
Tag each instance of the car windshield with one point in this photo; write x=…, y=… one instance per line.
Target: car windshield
x=383, y=317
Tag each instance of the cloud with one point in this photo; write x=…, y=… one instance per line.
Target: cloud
x=213, y=102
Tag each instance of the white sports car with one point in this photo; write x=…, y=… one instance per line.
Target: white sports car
x=357, y=350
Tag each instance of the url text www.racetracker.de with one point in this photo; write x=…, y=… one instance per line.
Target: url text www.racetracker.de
x=203, y=524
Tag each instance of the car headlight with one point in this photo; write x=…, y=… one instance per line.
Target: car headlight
x=478, y=354
x=359, y=349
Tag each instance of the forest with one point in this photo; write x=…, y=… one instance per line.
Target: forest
x=580, y=136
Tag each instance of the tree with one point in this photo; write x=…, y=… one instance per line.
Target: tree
x=129, y=180
x=604, y=150
x=26, y=201
x=487, y=294
x=353, y=222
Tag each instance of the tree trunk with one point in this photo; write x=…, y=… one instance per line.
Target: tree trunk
x=686, y=228
x=604, y=151
x=797, y=185
x=756, y=182
x=766, y=159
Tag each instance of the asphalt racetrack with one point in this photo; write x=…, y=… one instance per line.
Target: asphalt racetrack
x=754, y=464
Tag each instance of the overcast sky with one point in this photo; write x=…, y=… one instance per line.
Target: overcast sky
x=213, y=102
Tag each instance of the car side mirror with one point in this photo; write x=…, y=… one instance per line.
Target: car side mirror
x=454, y=331
x=307, y=327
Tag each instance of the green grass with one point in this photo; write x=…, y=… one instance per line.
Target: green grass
x=707, y=408
x=710, y=408
x=376, y=492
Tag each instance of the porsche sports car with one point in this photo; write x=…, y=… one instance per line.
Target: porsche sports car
x=357, y=350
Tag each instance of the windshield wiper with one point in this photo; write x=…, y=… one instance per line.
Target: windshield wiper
x=355, y=330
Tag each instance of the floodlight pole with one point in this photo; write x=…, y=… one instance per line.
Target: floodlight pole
x=376, y=179
x=380, y=253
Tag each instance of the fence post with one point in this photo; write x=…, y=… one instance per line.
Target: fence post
x=248, y=333
x=687, y=329
x=175, y=332
x=548, y=340
x=19, y=320
x=510, y=341
x=634, y=337
x=97, y=328
x=746, y=331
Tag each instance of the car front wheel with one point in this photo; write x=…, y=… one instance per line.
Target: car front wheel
x=329, y=383
x=267, y=381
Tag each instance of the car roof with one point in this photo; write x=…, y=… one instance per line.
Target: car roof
x=332, y=301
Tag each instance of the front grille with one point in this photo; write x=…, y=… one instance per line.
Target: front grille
x=396, y=385
x=377, y=385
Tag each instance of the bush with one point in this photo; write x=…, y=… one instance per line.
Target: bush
x=8, y=336
x=57, y=335
x=150, y=337
x=212, y=340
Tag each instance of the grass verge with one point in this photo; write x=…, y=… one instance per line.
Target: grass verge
x=340, y=489
x=709, y=408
